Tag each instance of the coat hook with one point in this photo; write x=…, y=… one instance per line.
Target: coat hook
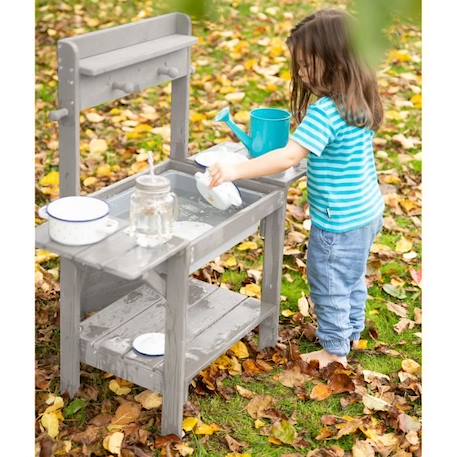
x=126, y=87
x=172, y=72
x=58, y=115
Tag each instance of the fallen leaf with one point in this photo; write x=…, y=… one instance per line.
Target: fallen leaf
x=362, y=449
x=189, y=423
x=320, y=392
x=247, y=245
x=258, y=405
x=126, y=413
x=341, y=382
x=398, y=309
x=51, y=179
x=408, y=423
x=206, y=429
x=50, y=421
x=291, y=378
x=375, y=403
x=113, y=442
x=235, y=96
x=395, y=291
x=284, y=431
x=303, y=305
x=120, y=386
x=94, y=117
x=149, y=400
x=251, y=290
x=411, y=366
x=369, y=376
x=97, y=145
x=184, y=449
x=240, y=350
x=103, y=171
x=404, y=324
x=246, y=393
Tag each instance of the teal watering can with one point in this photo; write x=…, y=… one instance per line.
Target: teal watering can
x=269, y=129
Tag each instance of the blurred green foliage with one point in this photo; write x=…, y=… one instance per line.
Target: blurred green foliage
x=374, y=17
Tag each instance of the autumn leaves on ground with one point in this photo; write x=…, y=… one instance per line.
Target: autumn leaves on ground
x=248, y=402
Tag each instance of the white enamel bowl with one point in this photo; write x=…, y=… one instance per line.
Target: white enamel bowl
x=76, y=221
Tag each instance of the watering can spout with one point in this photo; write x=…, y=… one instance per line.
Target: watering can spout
x=224, y=116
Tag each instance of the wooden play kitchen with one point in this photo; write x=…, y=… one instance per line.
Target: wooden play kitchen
x=129, y=290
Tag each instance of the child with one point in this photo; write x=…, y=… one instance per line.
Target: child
x=346, y=206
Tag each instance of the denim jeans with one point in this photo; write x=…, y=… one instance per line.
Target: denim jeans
x=337, y=265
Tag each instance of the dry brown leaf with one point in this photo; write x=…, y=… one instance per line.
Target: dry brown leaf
x=258, y=405
x=320, y=392
x=126, y=413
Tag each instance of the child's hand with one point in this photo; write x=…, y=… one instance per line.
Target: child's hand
x=221, y=172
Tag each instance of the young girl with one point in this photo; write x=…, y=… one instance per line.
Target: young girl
x=346, y=206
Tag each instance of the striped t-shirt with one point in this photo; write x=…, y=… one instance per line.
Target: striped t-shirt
x=343, y=189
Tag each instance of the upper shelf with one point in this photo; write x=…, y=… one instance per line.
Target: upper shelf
x=130, y=55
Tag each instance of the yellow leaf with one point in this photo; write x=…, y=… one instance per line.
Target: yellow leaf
x=103, y=170
x=205, y=429
x=97, y=145
x=235, y=367
x=113, y=442
x=55, y=403
x=258, y=423
x=271, y=87
x=120, y=387
x=138, y=167
x=240, y=350
x=197, y=117
x=50, y=422
x=90, y=181
x=251, y=290
x=287, y=313
x=360, y=345
x=51, y=179
x=189, y=423
x=411, y=366
x=230, y=262
x=184, y=449
x=148, y=399
x=247, y=245
x=416, y=100
x=242, y=116
x=273, y=440
x=403, y=245
x=42, y=256
x=142, y=128
x=399, y=56
x=250, y=63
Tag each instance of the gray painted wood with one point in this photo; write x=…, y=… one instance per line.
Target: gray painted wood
x=271, y=275
x=100, y=289
x=224, y=333
x=68, y=59
x=175, y=343
x=134, y=54
x=134, y=78
x=107, y=40
x=70, y=293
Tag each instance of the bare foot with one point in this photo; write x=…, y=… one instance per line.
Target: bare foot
x=324, y=358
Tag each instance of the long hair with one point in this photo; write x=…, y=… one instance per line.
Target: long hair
x=321, y=50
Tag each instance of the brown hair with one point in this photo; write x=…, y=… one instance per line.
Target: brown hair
x=322, y=44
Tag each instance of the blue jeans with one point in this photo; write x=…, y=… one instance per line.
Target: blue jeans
x=337, y=265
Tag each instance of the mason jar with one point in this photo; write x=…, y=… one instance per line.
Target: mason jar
x=153, y=210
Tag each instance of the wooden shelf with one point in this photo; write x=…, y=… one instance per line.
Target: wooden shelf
x=217, y=319
x=130, y=55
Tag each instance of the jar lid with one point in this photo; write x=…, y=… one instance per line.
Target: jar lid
x=154, y=183
x=78, y=209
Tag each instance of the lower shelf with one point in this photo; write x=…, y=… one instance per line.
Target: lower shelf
x=217, y=319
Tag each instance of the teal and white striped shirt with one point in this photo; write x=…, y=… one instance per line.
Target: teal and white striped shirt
x=343, y=189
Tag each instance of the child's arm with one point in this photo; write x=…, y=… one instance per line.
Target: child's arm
x=269, y=164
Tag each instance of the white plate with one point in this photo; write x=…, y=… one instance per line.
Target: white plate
x=189, y=230
x=208, y=158
x=150, y=343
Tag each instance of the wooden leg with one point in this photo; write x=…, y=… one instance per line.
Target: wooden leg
x=273, y=228
x=70, y=305
x=174, y=379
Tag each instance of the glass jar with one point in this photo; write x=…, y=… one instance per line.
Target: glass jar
x=153, y=209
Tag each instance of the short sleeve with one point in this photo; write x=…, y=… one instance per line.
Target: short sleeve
x=315, y=130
